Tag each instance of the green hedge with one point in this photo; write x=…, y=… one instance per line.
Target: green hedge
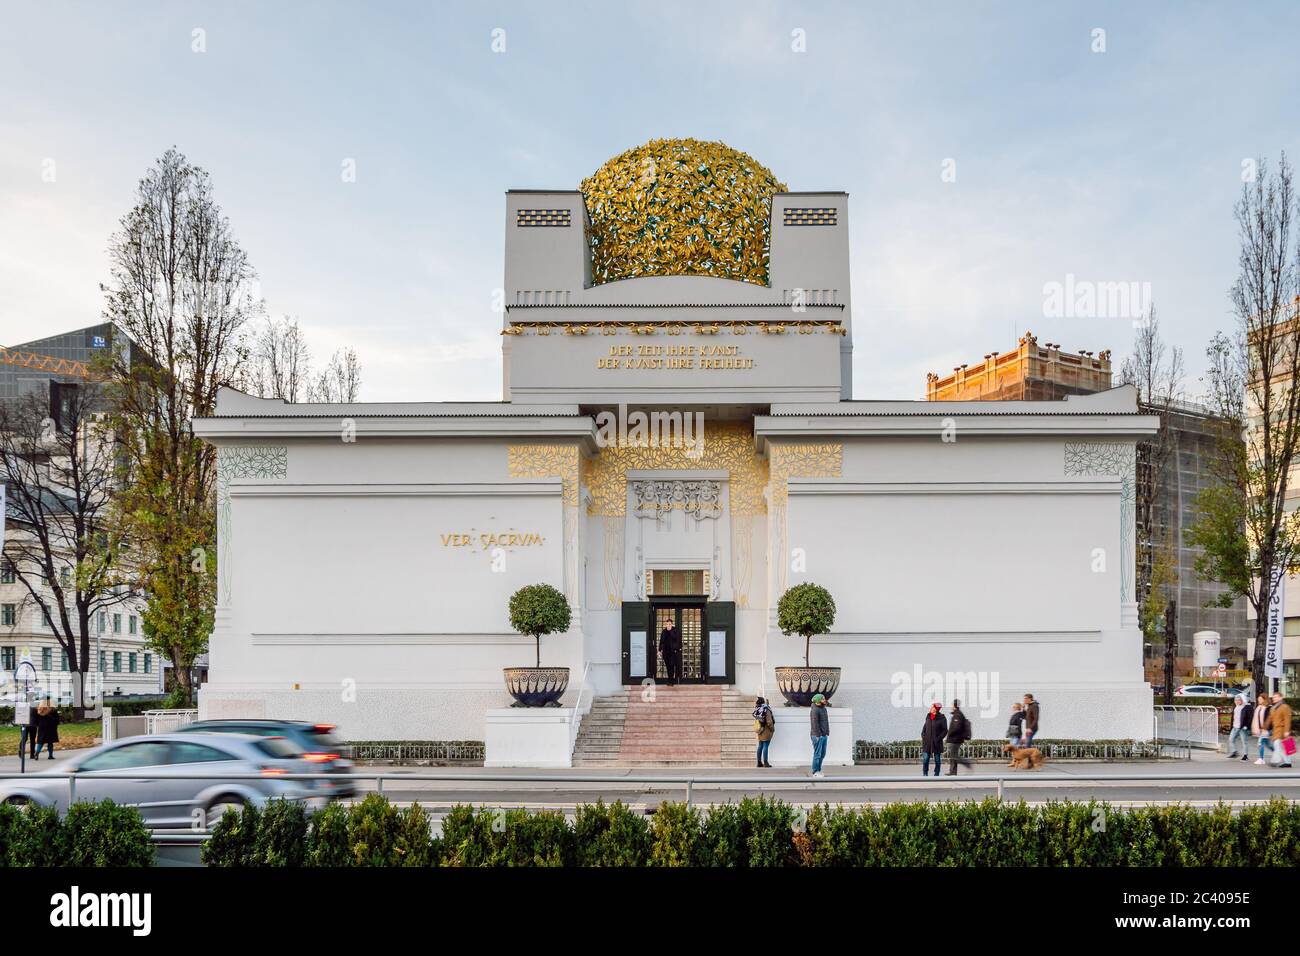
x=763, y=832
x=869, y=751
x=124, y=708
x=91, y=834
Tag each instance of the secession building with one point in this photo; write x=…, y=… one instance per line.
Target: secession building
x=678, y=439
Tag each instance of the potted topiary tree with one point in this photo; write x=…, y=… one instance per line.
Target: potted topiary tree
x=536, y=610
x=806, y=610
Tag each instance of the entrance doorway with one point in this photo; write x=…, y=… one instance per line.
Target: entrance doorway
x=689, y=620
x=708, y=639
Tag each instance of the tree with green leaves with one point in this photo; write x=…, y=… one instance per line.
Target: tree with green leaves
x=182, y=290
x=1247, y=529
x=539, y=609
x=807, y=610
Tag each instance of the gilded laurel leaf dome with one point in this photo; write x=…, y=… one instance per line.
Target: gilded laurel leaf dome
x=680, y=207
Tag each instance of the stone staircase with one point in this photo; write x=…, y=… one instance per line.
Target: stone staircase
x=690, y=725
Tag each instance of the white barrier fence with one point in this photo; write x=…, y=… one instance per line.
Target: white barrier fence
x=150, y=722
x=1194, y=726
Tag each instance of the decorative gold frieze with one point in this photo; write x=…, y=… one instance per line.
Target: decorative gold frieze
x=678, y=327
x=728, y=446
x=803, y=461
x=547, y=461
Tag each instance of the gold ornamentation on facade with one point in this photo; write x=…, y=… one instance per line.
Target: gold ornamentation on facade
x=803, y=461
x=678, y=326
x=547, y=461
x=742, y=557
x=728, y=446
x=680, y=207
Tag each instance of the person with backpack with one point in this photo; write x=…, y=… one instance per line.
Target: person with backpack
x=1016, y=726
x=765, y=728
x=958, y=733
x=933, y=731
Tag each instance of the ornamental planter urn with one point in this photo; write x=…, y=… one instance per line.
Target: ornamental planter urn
x=799, y=684
x=536, y=686
x=806, y=610
x=536, y=610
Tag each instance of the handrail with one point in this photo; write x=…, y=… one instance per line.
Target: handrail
x=577, y=710
x=689, y=781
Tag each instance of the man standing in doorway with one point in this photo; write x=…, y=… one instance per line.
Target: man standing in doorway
x=820, y=730
x=670, y=652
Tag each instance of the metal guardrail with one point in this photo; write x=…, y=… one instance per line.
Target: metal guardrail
x=690, y=781
x=1197, y=726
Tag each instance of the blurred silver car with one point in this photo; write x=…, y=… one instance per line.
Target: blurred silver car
x=143, y=772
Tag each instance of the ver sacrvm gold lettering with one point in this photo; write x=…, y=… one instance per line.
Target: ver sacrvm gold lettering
x=492, y=539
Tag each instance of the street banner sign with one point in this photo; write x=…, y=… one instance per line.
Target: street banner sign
x=1276, y=623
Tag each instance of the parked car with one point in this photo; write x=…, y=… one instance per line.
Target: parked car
x=1201, y=690
x=321, y=748
x=142, y=772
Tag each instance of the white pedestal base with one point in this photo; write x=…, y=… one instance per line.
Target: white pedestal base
x=529, y=737
x=792, y=745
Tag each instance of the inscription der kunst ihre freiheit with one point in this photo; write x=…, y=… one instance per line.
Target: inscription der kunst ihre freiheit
x=707, y=357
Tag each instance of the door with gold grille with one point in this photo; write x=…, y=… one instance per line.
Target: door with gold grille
x=689, y=620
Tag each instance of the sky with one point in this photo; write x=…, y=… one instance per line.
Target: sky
x=989, y=150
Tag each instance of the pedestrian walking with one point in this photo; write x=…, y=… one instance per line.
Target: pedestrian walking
x=1016, y=726
x=1031, y=721
x=47, y=729
x=820, y=730
x=933, y=732
x=27, y=732
x=1279, y=723
x=765, y=728
x=958, y=733
x=1241, y=717
x=1259, y=726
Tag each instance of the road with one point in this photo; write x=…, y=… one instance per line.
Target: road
x=1075, y=780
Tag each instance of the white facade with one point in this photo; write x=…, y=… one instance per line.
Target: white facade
x=974, y=549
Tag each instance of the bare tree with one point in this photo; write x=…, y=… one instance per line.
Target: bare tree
x=1155, y=369
x=341, y=379
x=1247, y=530
x=65, y=549
x=281, y=361
x=182, y=289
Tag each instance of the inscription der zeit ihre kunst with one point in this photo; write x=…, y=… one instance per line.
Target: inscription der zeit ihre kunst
x=706, y=357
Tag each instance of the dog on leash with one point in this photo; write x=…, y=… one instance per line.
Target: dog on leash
x=1023, y=758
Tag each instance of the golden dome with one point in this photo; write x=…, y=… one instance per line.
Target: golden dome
x=680, y=207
